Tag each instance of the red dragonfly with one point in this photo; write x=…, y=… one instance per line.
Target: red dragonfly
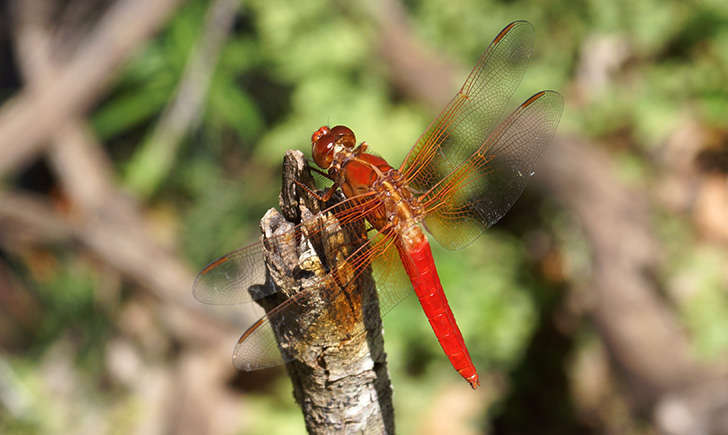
x=462, y=175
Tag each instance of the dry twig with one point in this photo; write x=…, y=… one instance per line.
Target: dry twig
x=340, y=379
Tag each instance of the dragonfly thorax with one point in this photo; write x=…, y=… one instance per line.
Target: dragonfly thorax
x=401, y=209
x=361, y=173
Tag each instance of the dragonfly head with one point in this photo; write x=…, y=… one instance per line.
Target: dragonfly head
x=325, y=142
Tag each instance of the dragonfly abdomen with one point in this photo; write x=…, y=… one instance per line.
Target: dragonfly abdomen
x=414, y=250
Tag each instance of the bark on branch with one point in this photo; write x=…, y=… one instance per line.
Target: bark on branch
x=339, y=376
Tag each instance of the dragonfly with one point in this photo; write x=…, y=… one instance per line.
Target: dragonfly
x=461, y=176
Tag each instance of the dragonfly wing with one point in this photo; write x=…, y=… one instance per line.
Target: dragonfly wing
x=474, y=111
x=393, y=284
x=258, y=348
x=325, y=313
x=477, y=193
x=240, y=276
x=227, y=280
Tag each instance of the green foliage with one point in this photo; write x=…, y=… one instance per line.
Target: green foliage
x=697, y=277
x=65, y=357
x=706, y=309
x=290, y=67
x=72, y=310
x=335, y=80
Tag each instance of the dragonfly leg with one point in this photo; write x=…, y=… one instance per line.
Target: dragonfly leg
x=330, y=192
x=323, y=198
x=320, y=172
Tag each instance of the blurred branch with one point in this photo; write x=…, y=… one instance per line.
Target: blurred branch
x=32, y=117
x=631, y=318
x=413, y=66
x=155, y=157
x=27, y=219
x=642, y=335
x=339, y=376
x=123, y=243
x=635, y=323
x=108, y=222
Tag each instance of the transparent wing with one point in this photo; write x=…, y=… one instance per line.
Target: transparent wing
x=325, y=313
x=475, y=110
x=226, y=280
x=478, y=192
x=240, y=276
x=393, y=284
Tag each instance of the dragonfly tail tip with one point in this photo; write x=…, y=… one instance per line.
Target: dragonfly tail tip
x=474, y=381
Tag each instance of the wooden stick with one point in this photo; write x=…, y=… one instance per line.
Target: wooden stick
x=340, y=378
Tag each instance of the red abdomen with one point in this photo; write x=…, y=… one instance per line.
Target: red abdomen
x=420, y=266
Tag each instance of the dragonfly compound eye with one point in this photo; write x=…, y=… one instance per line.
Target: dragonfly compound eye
x=318, y=133
x=343, y=136
x=323, y=150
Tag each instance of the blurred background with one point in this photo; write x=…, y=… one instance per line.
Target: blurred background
x=139, y=140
